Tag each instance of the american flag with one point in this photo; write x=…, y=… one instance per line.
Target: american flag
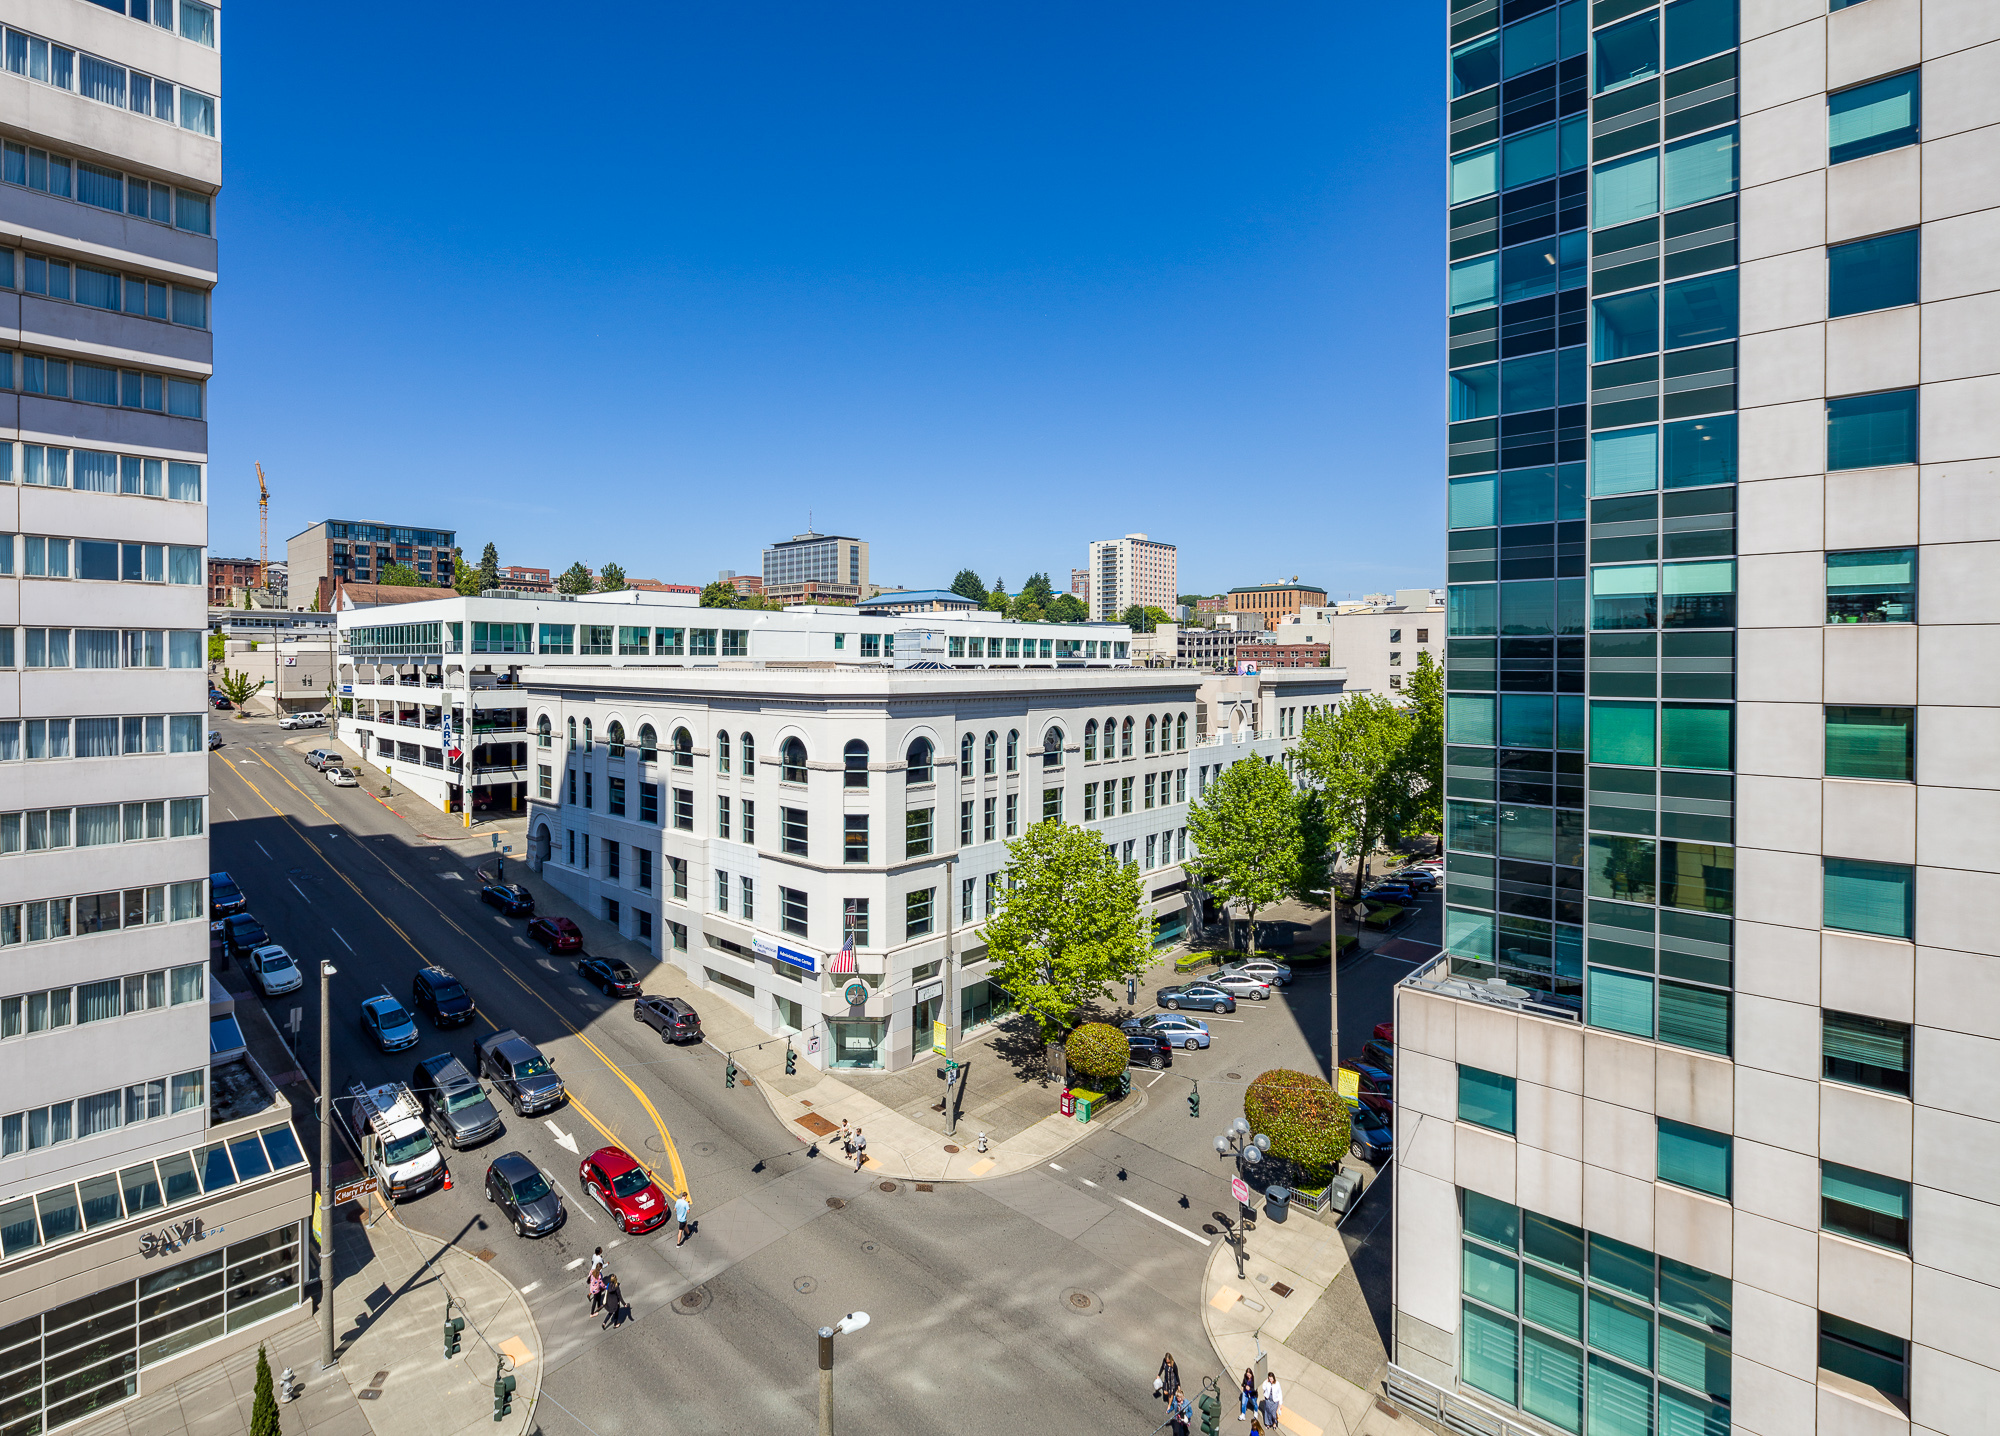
x=845, y=961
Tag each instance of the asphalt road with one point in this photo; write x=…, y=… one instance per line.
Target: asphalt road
x=994, y=1306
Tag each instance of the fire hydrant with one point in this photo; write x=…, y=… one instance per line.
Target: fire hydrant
x=982, y=1141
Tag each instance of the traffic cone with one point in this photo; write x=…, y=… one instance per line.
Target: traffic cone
x=447, y=1179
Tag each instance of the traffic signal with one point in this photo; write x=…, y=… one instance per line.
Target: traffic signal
x=453, y=1325
x=1194, y=1100
x=791, y=1060
x=729, y=1072
x=1210, y=1408
x=503, y=1391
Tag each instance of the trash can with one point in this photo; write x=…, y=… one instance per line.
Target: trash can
x=1341, y=1192
x=1277, y=1202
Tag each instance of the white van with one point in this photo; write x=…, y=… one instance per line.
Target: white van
x=396, y=1147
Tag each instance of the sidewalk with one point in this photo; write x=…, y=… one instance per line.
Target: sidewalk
x=392, y=1378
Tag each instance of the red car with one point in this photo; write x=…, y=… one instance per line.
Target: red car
x=557, y=934
x=1386, y=1031
x=622, y=1187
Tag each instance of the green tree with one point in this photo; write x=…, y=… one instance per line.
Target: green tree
x=239, y=688
x=1426, y=756
x=1357, y=757
x=1069, y=924
x=1304, y=1117
x=1099, y=1051
x=264, y=1404
x=1134, y=618
x=489, y=568
x=996, y=599
x=574, y=579
x=1068, y=608
x=215, y=647
x=967, y=585
x=464, y=577
x=1246, y=837
x=612, y=580
x=1189, y=599
x=721, y=594
x=1024, y=609
x=1038, y=590
x=399, y=575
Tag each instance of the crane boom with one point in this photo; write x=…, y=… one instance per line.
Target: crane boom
x=263, y=532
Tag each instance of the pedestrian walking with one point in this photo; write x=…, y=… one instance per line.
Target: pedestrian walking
x=1271, y=1401
x=846, y=1138
x=681, y=1210
x=1180, y=1411
x=614, y=1302
x=597, y=1262
x=1247, y=1402
x=1169, y=1379
x=860, y=1149
x=596, y=1291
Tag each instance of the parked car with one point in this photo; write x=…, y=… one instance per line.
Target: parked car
x=1385, y=1031
x=388, y=1023
x=303, y=720
x=624, y=1190
x=615, y=978
x=1262, y=968
x=218, y=702
x=517, y=1068
x=437, y=993
x=1195, y=994
x=1372, y=1139
x=511, y=898
x=342, y=777
x=516, y=1186
x=214, y=740
x=1150, y=1050
x=319, y=758
x=1183, y=1032
x=224, y=896
x=273, y=970
x=454, y=1102
x=1241, y=984
x=1373, y=1078
x=671, y=1017
x=1401, y=894
x=557, y=934
x=1377, y=1053
x=243, y=935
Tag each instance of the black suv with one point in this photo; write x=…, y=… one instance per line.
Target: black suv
x=224, y=896
x=1154, y=1052
x=521, y=1073
x=439, y=994
x=243, y=934
x=672, y=1018
x=510, y=898
x=456, y=1105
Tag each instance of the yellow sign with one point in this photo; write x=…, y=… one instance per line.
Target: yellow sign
x=1350, y=1086
x=938, y=1038
x=318, y=1236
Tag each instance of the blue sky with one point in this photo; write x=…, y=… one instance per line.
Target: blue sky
x=976, y=283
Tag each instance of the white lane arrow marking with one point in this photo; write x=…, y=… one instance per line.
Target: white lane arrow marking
x=563, y=1139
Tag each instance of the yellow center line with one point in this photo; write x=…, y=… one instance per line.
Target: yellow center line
x=680, y=1182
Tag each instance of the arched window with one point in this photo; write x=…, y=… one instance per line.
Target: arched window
x=919, y=759
x=749, y=756
x=1180, y=732
x=542, y=732
x=1052, y=748
x=615, y=736
x=572, y=735
x=649, y=744
x=1151, y=723
x=854, y=760
x=965, y=756
x=1013, y=751
x=722, y=750
x=992, y=743
x=683, y=748
x=1125, y=740
x=586, y=735
x=1090, y=741
x=792, y=761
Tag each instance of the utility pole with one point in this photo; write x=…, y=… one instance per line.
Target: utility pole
x=826, y=1381
x=326, y=1357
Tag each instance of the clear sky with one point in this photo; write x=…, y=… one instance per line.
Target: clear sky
x=977, y=283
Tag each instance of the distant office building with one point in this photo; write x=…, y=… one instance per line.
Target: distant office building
x=1129, y=570
x=278, y=580
x=1079, y=584
x=1282, y=655
x=1213, y=648
x=917, y=600
x=653, y=585
x=741, y=582
x=811, y=566
x=515, y=579
x=1209, y=605
x=1273, y=601
x=1377, y=640
x=338, y=551
x=226, y=574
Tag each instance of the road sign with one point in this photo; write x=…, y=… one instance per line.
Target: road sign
x=1239, y=1189
x=353, y=1190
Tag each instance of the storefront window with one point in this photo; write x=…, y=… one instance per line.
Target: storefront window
x=857, y=1042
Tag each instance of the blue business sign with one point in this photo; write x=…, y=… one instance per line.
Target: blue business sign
x=778, y=952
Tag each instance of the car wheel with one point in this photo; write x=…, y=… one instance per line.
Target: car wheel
x=1190, y=1044
x=520, y=1229
x=1159, y=1061
x=1172, y=1004
x=620, y=1218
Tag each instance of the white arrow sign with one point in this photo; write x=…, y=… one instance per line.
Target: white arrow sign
x=563, y=1139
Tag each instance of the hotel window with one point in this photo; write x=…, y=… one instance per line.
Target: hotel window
x=1089, y=802
x=917, y=832
x=1052, y=805
x=1485, y=1099
x=721, y=890
x=1694, y=1157
x=965, y=823
x=722, y=817
x=1865, y=1206
x=917, y=912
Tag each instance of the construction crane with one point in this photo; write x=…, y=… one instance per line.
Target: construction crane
x=263, y=532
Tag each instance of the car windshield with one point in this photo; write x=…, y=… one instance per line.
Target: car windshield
x=465, y=1097
x=398, y=1150
x=390, y=1015
x=276, y=960
x=531, y=1188
x=224, y=892
x=631, y=1183
x=447, y=992
x=533, y=1067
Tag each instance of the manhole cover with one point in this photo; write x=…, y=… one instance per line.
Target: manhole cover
x=804, y=1286
x=370, y=1395
x=836, y=1202
x=888, y=1186
x=1078, y=1300
x=380, y=1377
x=816, y=1124
x=1233, y=1076
x=868, y=1246
x=1279, y=1288
x=953, y=1148
x=690, y=1302
x=654, y=1144
x=484, y=1254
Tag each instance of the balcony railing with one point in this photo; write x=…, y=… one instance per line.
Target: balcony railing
x=1448, y=1408
x=1437, y=976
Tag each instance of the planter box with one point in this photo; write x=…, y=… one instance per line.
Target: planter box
x=1383, y=916
x=1191, y=961
x=1311, y=1201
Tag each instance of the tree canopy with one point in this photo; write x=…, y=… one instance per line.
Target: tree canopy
x=721, y=594
x=1038, y=589
x=1068, y=608
x=1144, y=619
x=612, y=579
x=399, y=575
x=489, y=568
x=464, y=577
x=1246, y=832
x=1069, y=924
x=967, y=585
x=575, y=579
x=1376, y=768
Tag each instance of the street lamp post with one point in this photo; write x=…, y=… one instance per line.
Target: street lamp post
x=326, y=1358
x=1249, y=1150
x=853, y=1321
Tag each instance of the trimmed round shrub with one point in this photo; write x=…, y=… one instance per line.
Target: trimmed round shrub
x=1305, y=1119
x=1098, y=1051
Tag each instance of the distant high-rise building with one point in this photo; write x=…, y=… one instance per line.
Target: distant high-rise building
x=813, y=565
x=337, y=551
x=1129, y=570
x=1079, y=584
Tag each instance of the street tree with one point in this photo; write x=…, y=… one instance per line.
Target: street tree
x=721, y=594
x=489, y=568
x=967, y=585
x=239, y=688
x=1144, y=618
x=399, y=575
x=1024, y=609
x=1358, y=758
x=1068, y=608
x=1246, y=836
x=1038, y=590
x=1069, y=925
x=996, y=599
x=1426, y=759
x=264, y=1400
x=575, y=579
